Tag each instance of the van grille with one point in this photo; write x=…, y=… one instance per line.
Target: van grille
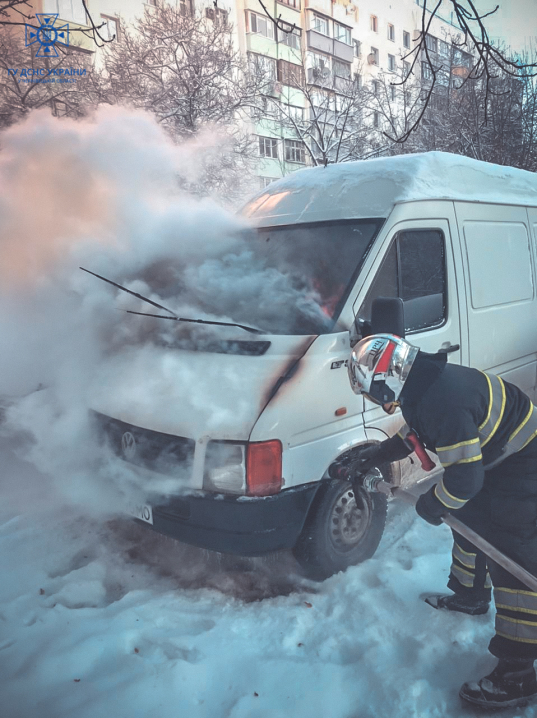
x=152, y=450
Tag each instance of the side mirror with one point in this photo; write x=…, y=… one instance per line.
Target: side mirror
x=388, y=316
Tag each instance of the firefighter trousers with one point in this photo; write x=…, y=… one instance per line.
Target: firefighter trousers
x=504, y=513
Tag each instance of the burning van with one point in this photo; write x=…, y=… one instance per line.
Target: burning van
x=246, y=419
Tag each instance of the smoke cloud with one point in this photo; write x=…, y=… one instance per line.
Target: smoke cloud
x=103, y=194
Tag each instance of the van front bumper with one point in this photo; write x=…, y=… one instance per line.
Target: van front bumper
x=242, y=526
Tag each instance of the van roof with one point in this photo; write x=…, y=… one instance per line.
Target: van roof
x=371, y=188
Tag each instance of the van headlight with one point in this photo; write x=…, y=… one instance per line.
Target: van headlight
x=225, y=467
x=254, y=469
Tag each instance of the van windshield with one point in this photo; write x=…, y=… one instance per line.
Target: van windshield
x=308, y=272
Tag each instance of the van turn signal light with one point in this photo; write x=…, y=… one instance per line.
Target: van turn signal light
x=264, y=468
x=341, y=411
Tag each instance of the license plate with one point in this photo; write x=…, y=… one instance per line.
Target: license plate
x=144, y=512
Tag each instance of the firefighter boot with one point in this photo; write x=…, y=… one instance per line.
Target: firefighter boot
x=472, y=604
x=512, y=683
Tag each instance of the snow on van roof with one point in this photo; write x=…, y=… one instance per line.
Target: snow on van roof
x=371, y=188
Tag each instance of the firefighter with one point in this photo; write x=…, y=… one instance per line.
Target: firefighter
x=483, y=430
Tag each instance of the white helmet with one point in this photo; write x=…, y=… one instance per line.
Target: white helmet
x=380, y=365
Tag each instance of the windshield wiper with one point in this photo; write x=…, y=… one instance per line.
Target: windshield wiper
x=173, y=316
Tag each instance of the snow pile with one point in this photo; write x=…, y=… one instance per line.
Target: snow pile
x=105, y=619
x=371, y=188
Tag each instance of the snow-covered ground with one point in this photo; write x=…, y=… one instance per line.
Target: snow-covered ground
x=108, y=619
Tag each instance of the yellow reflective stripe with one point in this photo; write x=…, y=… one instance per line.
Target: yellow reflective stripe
x=525, y=601
x=464, y=577
x=456, y=446
x=520, y=609
x=516, y=629
x=496, y=425
x=461, y=453
x=463, y=556
x=466, y=553
x=497, y=415
x=450, y=501
x=528, y=441
x=514, y=590
x=522, y=425
x=481, y=426
x=463, y=461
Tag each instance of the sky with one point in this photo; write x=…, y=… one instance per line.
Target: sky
x=515, y=22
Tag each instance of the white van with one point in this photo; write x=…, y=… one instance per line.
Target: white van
x=455, y=239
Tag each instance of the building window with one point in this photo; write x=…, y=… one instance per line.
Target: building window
x=374, y=23
x=358, y=80
x=66, y=9
x=217, y=15
x=374, y=56
x=375, y=84
x=268, y=147
x=294, y=113
x=444, y=49
x=432, y=43
x=320, y=24
x=295, y=151
x=110, y=28
x=291, y=3
x=289, y=35
x=406, y=39
x=260, y=25
x=426, y=72
x=265, y=181
x=262, y=66
x=376, y=119
x=406, y=68
x=342, y=33
x=393, y=92
x=342, y=69
x=186, y=8
x=391, y=32
x=391, y=63
x=357, y=48
x=290, y=74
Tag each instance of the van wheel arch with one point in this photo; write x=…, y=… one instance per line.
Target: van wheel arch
x=341, y=529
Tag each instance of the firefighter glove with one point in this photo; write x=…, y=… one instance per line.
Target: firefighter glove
x=430, y=508
x=357, y=461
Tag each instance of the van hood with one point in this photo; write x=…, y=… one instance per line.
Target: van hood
x=195, y=394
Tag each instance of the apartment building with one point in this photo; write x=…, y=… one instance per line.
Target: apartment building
x=317, y=46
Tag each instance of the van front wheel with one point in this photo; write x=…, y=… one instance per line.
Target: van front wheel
x=342, y=529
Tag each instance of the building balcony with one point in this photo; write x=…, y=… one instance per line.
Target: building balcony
x=318, y=41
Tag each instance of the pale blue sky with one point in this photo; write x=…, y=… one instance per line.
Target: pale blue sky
x=515, y=21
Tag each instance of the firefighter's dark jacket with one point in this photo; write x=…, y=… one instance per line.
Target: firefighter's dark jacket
x=471, y=419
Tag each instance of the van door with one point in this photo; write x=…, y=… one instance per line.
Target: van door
x=502, y=303
x=417, y=264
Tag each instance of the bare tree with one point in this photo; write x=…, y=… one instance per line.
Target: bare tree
x=186, y=70
x=488, y=120
x=320, y=111
x=488, y=62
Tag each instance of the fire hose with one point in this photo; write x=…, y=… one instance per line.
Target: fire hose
x=375, y=483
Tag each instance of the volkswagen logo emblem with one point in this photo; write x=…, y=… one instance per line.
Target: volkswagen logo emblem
x=128, y=445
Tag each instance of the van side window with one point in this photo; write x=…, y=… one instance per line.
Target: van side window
x=414, y=270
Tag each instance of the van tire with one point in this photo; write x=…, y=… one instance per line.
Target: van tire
x=336, y=537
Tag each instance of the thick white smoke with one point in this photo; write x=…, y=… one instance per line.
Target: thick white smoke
x=104, y=194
